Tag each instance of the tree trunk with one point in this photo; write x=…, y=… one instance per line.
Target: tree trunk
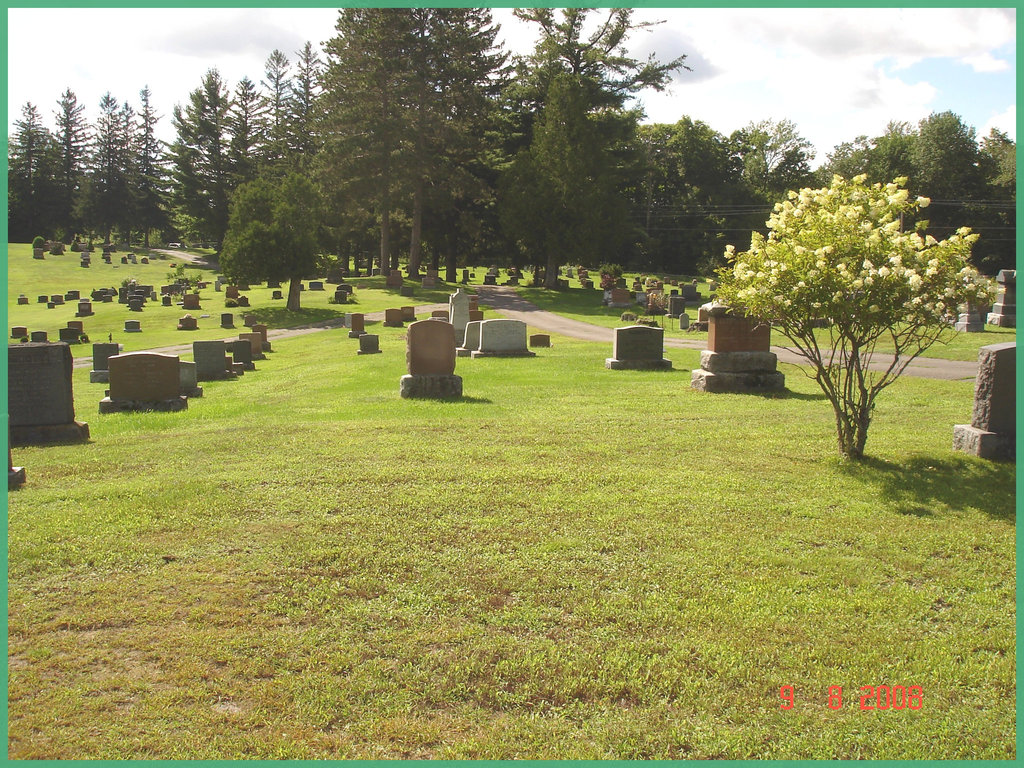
x=294, y=293
x=551, y=272
x=385, y=240
x=343, y=255
x=416, y=236
x=450, y=266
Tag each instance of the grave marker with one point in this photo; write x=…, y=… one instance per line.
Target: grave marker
x=40, y=398
x=502, y=338
x=430, y=361
x=144, y=381
x=638, y=347
x=992, y=433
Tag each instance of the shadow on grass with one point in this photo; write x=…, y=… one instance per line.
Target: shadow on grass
x=788, y=394
x=913, y=486
x=276, y=317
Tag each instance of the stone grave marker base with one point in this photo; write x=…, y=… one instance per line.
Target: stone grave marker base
x=15, y=477
x=107, y=405
x=997, y=446
x=99, y=377
x=749, y=381
x=638, y=365
x=48, y=434
x=430, y=386
x=501, y=353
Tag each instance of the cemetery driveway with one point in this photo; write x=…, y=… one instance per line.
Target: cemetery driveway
x=505, y=300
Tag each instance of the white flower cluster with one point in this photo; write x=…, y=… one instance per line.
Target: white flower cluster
x=840, y=252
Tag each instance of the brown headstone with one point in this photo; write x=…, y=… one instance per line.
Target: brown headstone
x=476, y=314
x=357, y=322
x=430, y=348
x=144, y=376
x=728, y=333
x=392, y=317
x=256, y=341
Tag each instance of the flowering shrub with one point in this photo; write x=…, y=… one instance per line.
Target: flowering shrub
x=840, y=254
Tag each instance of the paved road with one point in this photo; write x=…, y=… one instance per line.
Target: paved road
x=505, y=300
x=508, y=303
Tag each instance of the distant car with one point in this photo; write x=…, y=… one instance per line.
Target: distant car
x=175, y=245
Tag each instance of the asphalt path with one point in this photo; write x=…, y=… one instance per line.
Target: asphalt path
x=505, y=301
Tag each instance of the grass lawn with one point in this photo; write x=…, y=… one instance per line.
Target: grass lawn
x=585, y=305
x=570, y=562
x=59, y=274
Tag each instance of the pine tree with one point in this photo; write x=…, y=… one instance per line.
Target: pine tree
x=303, y=109
x=73, y=141
x=202, y=170
x=277, y=90
x=248, y=131
x=151, y=173
x=31, y=171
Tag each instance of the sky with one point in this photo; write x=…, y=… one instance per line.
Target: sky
x=836, y=73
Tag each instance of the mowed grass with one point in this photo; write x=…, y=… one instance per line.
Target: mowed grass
x=570, y=562
x=59, y=274
x=585, y=305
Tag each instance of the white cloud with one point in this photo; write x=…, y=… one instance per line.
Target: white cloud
x=986, y=62
x=1005, y=121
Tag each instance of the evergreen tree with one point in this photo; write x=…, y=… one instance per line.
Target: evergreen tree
x=202, y=171
x=277, y=96
x=73, y=142
x=303, y=141
x=106, y=201
x=151, y=173
x=367, y=121
x=246, y=124
x=31, y=171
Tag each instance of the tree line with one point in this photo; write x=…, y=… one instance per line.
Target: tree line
x=427, y=144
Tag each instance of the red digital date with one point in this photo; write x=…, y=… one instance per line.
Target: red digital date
x=873, y=697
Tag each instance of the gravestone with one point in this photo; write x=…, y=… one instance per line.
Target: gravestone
x=465, y=275
x=470, y=339
x=23, y=299
x=277, y=295
x=620, y=298
x=132, y=326
x=40, y=398
x=540, y=340
x=406, y=291
x=165, y=301
x=357, y=325
x=638, y=348
x=37, y=253
x=211, y=360
x=475, y=315
x=1004, y=311
x=992, y=433
x=38, y=336
x=408, y=314
x=72, y=295
x=256, y=342
x=394, y=279
x=100, y=372
x=69, y=335
x=188, y=385
x=231, y=292
x=243, y=301
x=490, y=279
x=227, y=320
x=970, y=320
x=340, y=296
x=502, y=338
x=369, y=344
x=676, y=305
x=393, y=318
x=261, y=329
x=458, y=313
x=684, y=321
x=737, y=358
x=439, y=314
x=188, y=323
x=249, y=320
x=316, y=285
x=19, y=332
x=190, y=301
x=144, y=381
x=241, y=352
x=135, y=303
x=42, y=299
x=57, y=298
x=430, y=361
